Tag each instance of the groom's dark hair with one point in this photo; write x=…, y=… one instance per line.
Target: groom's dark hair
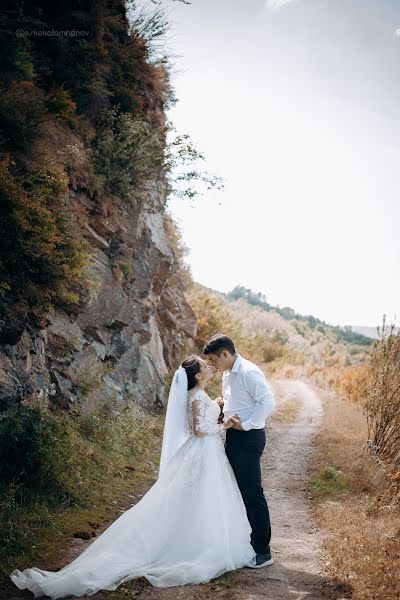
x=217, y=343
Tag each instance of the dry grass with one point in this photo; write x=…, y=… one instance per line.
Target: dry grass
x=364, y=550
x=353, y=383
x=374, y=388
x=362, y=537
x=286, y=411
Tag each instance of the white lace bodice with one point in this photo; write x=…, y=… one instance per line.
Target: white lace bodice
x=203, y=414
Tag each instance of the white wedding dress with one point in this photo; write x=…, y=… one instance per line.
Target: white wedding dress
x=190, y=527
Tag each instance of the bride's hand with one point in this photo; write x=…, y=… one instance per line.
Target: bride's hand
x=228, y=423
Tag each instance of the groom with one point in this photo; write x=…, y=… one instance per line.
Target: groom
x=247, y=395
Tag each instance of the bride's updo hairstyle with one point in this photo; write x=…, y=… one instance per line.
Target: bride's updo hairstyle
x=192, y=366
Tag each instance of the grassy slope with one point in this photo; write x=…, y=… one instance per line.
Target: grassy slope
x=319, y=345
x=53, y=532
x=361, y=536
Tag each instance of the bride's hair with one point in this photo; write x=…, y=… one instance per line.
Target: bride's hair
x=192, y=365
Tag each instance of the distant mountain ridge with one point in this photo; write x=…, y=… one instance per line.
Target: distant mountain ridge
x=371, y=332
x=346, y=333
x=279, y=335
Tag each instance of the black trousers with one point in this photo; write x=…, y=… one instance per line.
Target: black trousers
x=244, y=450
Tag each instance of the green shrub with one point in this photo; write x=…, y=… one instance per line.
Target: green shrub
x=34, y=452
x=42, y=250
x=59, y=103
x=50, y=464
x=22, y=108
x=56, y=457
x=328, y=481
x=126, y=152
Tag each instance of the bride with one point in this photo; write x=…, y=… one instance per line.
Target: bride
x=191, y=526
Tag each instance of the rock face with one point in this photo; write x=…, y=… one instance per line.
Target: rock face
x=131, y=324
x=120, y=341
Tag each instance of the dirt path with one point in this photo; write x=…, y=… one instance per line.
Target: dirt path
x=295, y=542
x=296, y=573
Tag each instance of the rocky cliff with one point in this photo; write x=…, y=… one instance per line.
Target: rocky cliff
x=118, y=330
x=121, y=342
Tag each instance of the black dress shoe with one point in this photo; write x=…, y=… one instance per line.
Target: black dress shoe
x=262, y=560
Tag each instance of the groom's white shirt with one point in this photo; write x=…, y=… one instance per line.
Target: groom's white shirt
x=247, y=393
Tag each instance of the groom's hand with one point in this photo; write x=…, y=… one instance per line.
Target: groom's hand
x=237, y=423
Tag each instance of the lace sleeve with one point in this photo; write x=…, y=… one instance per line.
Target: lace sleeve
x=202, y=425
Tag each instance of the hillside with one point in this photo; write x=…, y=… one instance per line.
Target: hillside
x=286, y=338
x=91, y=295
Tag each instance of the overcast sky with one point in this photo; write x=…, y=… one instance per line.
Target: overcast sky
x=296, y=104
